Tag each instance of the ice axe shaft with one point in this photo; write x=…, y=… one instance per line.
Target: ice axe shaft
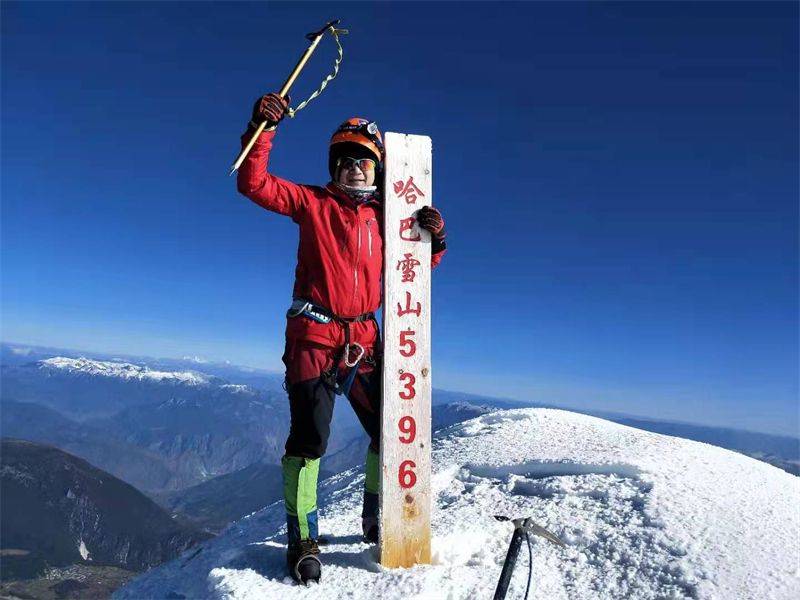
x=315, y=38
x=522, y=527
x=508, y=565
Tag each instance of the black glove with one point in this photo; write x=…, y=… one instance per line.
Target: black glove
x=431, y=220
x=270, y=108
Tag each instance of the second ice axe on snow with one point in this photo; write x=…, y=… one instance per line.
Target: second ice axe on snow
x=522, y=528
x=314, y=38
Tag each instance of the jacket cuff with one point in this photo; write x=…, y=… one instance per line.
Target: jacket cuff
x=264, y=138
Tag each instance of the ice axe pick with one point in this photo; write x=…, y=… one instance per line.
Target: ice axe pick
x=314, y=38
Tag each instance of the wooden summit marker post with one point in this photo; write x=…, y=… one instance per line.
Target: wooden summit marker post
x=406, y=409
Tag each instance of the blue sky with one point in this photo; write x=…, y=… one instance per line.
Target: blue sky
x=619, y=181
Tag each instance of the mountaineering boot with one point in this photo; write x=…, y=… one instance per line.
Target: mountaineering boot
x=369, y=518
x=370, y=525
x=302, y=561
x=300, y=494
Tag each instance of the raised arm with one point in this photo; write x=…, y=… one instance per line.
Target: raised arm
x=253, y=180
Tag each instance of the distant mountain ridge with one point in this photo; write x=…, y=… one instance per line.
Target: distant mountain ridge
x=60, y=510
x=155, y=428
x=142, y=469
x=83, y=388
x=198, y=438
x=219, y=501
x=777, y=450
x=122, y=370
x=158, y=429
x=18, y=354
x=116, y=394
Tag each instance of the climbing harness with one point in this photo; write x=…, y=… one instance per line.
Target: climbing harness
x=320, y=314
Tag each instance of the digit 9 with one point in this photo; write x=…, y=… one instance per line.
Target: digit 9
x=408, y=427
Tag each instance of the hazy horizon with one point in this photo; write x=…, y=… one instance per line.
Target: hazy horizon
x=106, y=354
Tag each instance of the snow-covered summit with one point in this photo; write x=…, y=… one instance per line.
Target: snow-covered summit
x=237, y=388
x=120, y=370
x=195, y=359
x=643, y=516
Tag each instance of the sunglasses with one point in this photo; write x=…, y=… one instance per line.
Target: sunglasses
x=365, y=165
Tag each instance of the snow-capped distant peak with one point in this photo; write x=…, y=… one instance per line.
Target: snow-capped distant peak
x=236, y=387
x=195, y=359
x=120, y=370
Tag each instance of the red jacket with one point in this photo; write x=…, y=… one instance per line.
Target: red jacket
x=340, y=255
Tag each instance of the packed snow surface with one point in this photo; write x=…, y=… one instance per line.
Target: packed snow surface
x=643, y=515
x=122, y=370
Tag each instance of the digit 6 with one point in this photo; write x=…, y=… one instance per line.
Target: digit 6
x=408, y=426
x=409, y=392
x=406, y=476
x=405, y=340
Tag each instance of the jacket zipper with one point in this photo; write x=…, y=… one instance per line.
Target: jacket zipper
x=358, y=257
x=369, y=234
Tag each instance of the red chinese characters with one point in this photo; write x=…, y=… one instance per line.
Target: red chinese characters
x=407, y=269
x=404, y=311
x=408, y=190
x=407, y=266
x=407, y=232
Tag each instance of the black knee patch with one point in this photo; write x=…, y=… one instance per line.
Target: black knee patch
x=311, y=405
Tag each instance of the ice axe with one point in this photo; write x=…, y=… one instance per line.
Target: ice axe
x=314, y=37
x=522, y=528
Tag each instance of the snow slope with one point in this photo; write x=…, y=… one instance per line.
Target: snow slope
x=643, y=516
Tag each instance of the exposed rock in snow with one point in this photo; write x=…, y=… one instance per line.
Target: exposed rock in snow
x=84, y=551
x=643, y=516
x=120, y=369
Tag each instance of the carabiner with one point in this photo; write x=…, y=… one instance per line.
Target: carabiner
x=347, y=362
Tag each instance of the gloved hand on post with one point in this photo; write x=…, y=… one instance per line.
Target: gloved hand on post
x=431, y=220
x=271, y=108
